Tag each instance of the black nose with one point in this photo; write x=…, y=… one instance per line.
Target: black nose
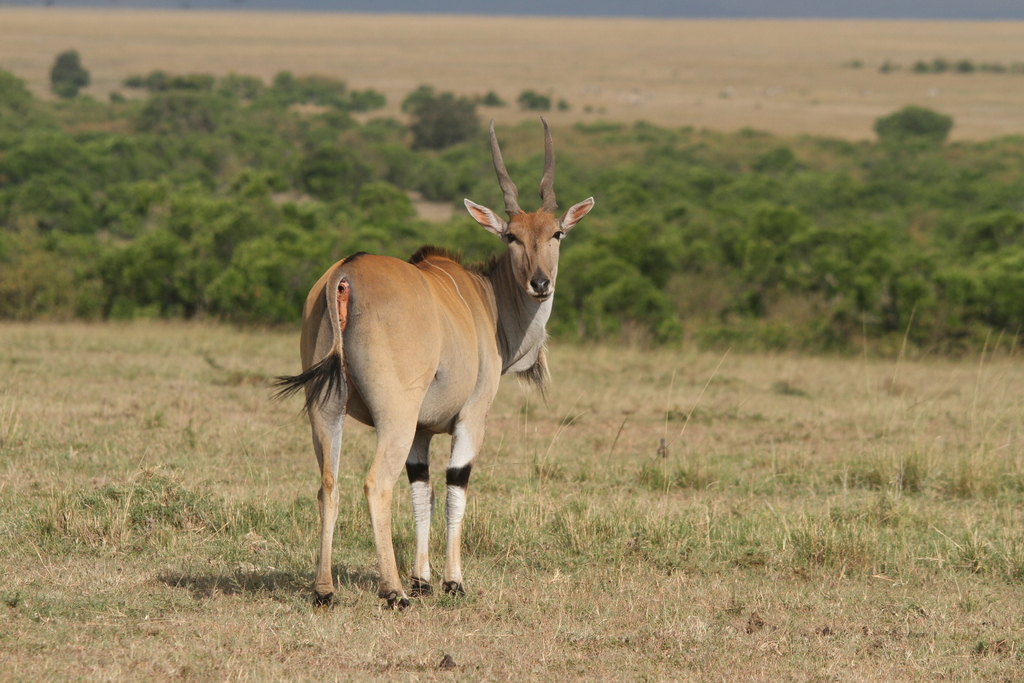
x=540, y=285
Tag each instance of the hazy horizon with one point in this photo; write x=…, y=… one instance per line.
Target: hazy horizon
x=752, y=9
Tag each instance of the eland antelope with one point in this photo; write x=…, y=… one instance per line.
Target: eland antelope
x=417, y=348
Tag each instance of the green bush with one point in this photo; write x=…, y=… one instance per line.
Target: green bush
x=599, y=292
x=42, y=153
x=15, y=97
x=965, y=66
x=992, y=232
x=365, y=100
x=533, y=101
x=242, y=87
x=145, y=274
x=1002, y=294
x=491, y=99
x=384, y=204
x=326, y=91
x=439, y=120
x=289, y=89
x=913, y=123
x=68, y=76
x=331, y=172
x=268, y=278
x=778, y=160
x=436, y=180
x=177, y=112
x=160, y=81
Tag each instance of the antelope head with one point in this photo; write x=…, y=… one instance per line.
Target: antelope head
x=532, y=238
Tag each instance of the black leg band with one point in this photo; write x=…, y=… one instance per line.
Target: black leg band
x=459, y=476
x=417, y=471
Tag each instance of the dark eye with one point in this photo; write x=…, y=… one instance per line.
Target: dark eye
x=559, y=235
x=510, y=238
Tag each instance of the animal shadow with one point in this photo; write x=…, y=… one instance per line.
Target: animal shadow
x=250, y=582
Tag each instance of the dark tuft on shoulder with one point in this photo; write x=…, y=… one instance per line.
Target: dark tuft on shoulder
x=485, y=267
x=353, y=257
x=482, y=268
x=425, y=252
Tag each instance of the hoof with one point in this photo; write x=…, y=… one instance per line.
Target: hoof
x=454, y=588
x=420, y=588
x=396, y=601
x=323, y=600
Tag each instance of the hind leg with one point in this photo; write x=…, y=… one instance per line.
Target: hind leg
x=326, y=421
x=394, y=442
x=417, y=466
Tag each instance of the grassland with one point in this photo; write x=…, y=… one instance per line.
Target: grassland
x=781, y=76
x=814, y=519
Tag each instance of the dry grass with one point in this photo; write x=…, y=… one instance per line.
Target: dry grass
x=818, y=519
x=780, y=76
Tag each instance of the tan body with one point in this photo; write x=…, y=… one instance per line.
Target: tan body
x=415, y=349
x=447, y=312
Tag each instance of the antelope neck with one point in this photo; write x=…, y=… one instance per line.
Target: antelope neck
x=521, y=321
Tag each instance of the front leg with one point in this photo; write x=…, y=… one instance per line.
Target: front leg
x=466, y=441
x=418, y=468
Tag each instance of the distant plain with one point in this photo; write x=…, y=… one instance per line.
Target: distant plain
x=783, y=76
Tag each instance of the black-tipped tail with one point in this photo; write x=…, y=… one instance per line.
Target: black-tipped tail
x=321, y=382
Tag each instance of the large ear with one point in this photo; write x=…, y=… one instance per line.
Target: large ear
x=487, y=218
x=576, y=213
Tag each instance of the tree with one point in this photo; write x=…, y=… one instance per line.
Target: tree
x=243, y=87
x=330, y=172
x=534, y=101
x=68, y=76
x=913, y=123
x=13, y=93
x=439, y=121
x=491, y=99
x=17, y=112
x=182, y=111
